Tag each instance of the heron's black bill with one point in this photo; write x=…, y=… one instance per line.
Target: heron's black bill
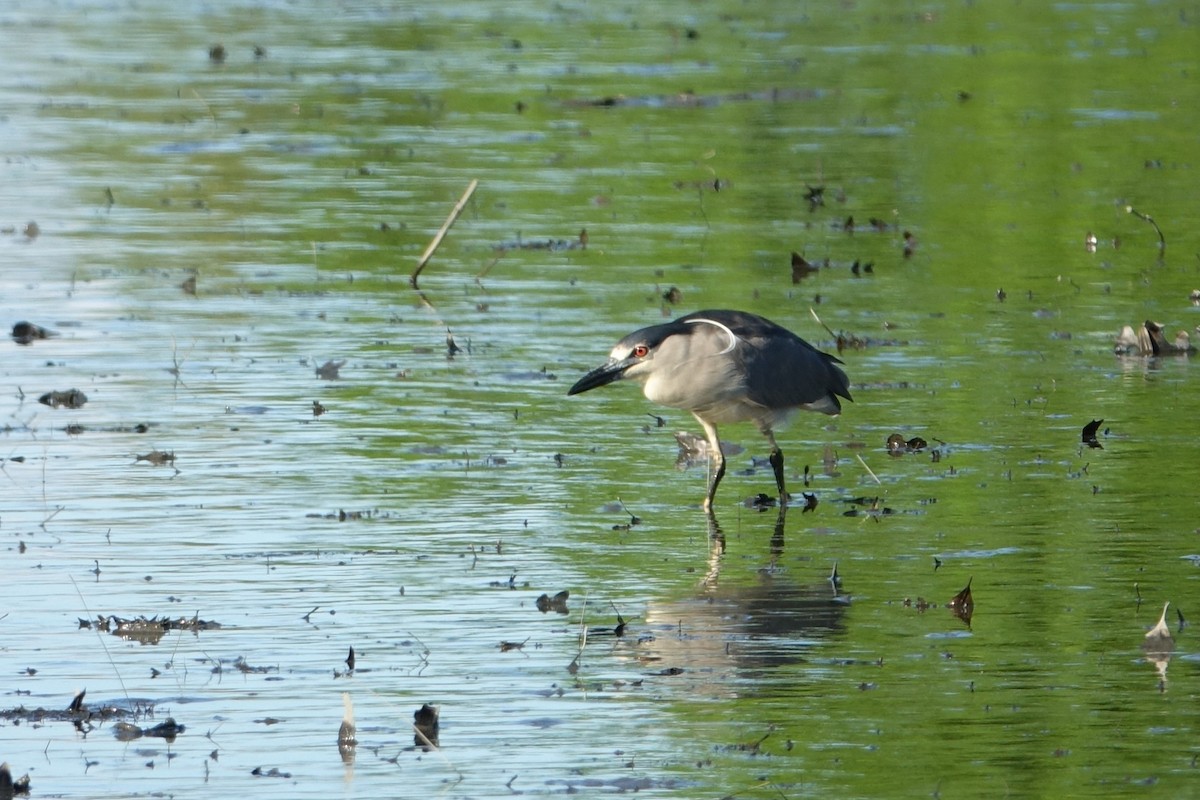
x=600, y=376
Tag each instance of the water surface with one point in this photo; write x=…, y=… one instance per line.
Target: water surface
x=419, y=518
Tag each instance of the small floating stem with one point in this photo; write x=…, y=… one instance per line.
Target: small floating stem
x=1162, y=241
x=437, y=240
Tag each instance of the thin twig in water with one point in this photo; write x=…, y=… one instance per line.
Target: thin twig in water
x=1162, y=241
x=437, y=239
x=486, y=269
x=868, y=469
x=822, y=324
x=103, y=646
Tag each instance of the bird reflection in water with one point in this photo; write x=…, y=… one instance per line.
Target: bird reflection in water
x=729, y=624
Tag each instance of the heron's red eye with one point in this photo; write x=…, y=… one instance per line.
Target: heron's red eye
x=640, y=351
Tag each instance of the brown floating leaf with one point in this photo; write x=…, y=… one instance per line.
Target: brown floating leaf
x=801, y=268
x=9, y=787
x=71, y=398
x=26, y=332
x=962, y=604
x=898, y=445
x=157, y=457
x=557, y=603
x=329, y=370
x=507, y=646
x=346, y=731
x=425, y=726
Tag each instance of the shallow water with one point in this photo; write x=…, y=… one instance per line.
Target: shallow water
x=418, y=519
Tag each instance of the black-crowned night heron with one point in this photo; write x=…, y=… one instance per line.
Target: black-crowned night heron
x=727, y=366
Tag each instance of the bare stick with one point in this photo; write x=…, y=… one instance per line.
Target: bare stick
x=437, y=240
x=868, y=469
x=822, y=324
x=1162, y=241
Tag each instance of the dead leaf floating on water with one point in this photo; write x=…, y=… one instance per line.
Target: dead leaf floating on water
x=898, y=445
x=1150, y=341
x=1089, y=433
x=27, y=332
x=557, y=603
x=814, y=196
x=329, y=370
x=346, y=731
x=962, y=604
x=425, y=726
x=71, y=398
x=1159, y=639
x=801, y=267
x=10, y=788
x=157, y=457
x=169, y=730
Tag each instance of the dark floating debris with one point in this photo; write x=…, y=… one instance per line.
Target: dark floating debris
x=147, y=630
x=557, y=603
x=273, y=772
x=77, y=712
x=871, y=507
x=689, y=99
x=1150, y=341
x=897, y=445
x=1089, y=433
x=318, y=409
x=350, y=659
x=761, y=501
x=10, y=788
x=425, y=727
x=157, y=457
x=963, y=605
x=329, y=370
x=814, y=196
x=810, y=503
x=346, y=731
x=169, y=730
x=802, y=267
x=71, y=398
x=553, y=245
x=507, y=647
x=27, y=332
